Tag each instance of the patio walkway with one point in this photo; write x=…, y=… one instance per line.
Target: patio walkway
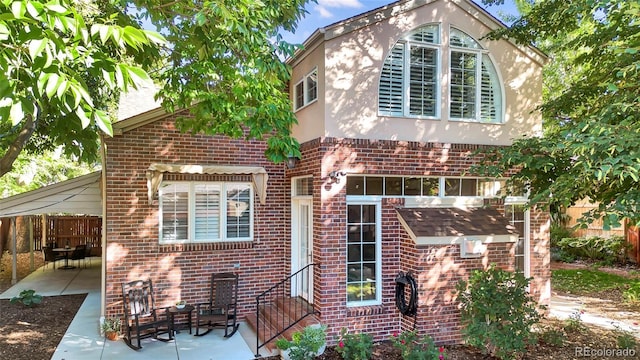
x=83, y=340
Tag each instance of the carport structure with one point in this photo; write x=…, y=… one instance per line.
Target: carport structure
x=80, y=196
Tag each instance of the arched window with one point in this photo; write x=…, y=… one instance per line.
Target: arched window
x=410, y=78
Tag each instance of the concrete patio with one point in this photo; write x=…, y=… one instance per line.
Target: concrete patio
x=83, y=340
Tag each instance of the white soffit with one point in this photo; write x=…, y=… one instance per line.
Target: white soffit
x=79, y=195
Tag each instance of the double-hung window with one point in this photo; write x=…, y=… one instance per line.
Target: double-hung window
x=410, y=78
x=205, y=212
x=306, y=90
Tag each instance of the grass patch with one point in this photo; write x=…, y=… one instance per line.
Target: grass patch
x=585, y=282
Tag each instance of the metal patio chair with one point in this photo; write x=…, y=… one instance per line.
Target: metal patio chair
x=78, y=254
x=220, y=310
x=142, y=319
x=87, y=255
x=50, y=257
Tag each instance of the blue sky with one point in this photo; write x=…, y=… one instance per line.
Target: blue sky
x=326, y=12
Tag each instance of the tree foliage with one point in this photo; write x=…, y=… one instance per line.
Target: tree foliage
x=30, y=172
x=591, y=143
x=56, y=57
x=226, y=66
x=64, y=61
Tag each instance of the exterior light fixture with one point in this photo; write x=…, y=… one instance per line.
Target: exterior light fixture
x=336, y=175
x=291, y=161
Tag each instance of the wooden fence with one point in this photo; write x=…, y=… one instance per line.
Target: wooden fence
x=593, y=229
x=633, y=237
x=71, y=230
x=630, y=233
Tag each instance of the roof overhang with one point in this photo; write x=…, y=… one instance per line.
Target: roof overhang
x=399, y=7
x=452, y=225
x=81, y=195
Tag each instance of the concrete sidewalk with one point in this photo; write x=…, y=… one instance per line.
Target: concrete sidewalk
x=564, y=307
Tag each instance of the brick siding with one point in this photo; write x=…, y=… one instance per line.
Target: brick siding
x=182, y=271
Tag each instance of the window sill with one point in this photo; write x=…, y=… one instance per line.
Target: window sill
x=222, y=245
x=358, y=311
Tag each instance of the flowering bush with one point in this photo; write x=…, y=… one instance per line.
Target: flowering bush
x=414, y=348
x=574, y=322
x=354, y=346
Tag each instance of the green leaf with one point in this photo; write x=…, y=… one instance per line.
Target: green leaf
x=137, y=75
x=103, y=122
x=155, y=37
x=52, y=85
x=84, y=120
x=18, y=9
x=62, y=85
x=36, y=47
x=55, y=7
x=34, y=9
x=16, y=115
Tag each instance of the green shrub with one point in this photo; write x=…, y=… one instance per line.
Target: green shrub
x=625, y=338
x=413, y=348
x=608, y=251
x=354, y=346
x=558, y=254
x=557, y=233
x=552, y=336
x=497, y=312
x=574, y=324
x=27, y=298
x=632, y=294
x=304, y=345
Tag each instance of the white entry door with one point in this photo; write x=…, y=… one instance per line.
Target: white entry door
x=302, y=248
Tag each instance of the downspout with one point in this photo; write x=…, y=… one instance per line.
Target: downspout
x=103, y=193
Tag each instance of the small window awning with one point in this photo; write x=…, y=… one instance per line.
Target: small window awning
x=451, y=225
x=258, y=173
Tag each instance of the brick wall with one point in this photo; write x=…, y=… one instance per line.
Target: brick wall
x=436, y=268
x=182, y=271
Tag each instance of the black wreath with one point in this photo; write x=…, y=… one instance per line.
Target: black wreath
x=403, y=280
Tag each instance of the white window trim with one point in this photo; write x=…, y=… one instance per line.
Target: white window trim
x=294, y=189
x=378, y=299
x=305, y=90
x=406, y=96
x=478, y=103
x=442, y=73
x=527, y=233
x=407, y=76
x=191, y=213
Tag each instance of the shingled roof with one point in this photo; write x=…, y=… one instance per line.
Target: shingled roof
x=449, y=225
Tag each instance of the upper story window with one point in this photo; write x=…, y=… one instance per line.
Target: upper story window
x=205, y=212
x=306, y=90
x=418, y=186
x=409, y=81
x=411, y=74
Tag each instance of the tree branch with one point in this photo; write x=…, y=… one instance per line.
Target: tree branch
x=28, y=128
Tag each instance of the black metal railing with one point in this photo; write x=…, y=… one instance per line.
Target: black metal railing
x=267, y=301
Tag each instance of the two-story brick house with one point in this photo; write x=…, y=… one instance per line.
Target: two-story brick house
x=390, y=104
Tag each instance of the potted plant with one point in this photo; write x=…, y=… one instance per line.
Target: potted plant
x=111, y=328
x=304, y=345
